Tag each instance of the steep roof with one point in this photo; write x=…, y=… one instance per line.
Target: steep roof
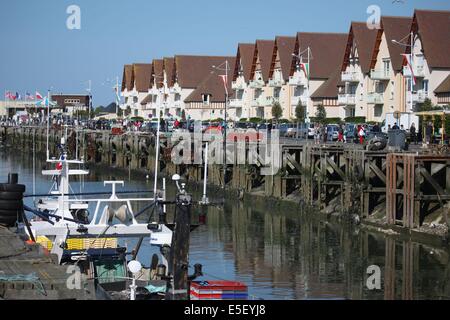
x=244, y=59
x=396, y=28
x=329, y=89
x=169, y=67
x=265, y=51
x=285, y=47
x=147, y=99
x=433, y=28
x=327, y=52
x=142, y=76
x=444, y=87
x=158, y=68
x=364, y=40
x=212, y=85
x=192, y=70
x=127, y=78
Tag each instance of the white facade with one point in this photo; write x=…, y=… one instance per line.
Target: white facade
x=427, y=79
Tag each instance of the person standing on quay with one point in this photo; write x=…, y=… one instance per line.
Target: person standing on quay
x=361, y=134
x=412, y=131
x=429, y=132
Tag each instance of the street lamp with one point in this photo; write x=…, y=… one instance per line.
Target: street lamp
x=226, y=69
x=411, y=46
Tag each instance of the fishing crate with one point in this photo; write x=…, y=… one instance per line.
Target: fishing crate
x=81, y=243
x=218, y=290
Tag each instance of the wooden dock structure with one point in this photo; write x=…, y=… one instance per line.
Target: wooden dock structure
x=407, y=190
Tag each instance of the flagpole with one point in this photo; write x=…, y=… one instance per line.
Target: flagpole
x=48, y=123
x=412, y=71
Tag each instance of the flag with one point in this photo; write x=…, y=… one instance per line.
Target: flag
x=45, y=103
x=9, y=95
x=305, y=68
x=28, y=96
x=407, y=57
x=38, y=96
x=225, y=82
x=18, y=96
x=59, y=165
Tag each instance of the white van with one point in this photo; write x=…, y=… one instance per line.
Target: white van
x=401, y=118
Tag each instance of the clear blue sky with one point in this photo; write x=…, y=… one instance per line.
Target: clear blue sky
x=38, y=51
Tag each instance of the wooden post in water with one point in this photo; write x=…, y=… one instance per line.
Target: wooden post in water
x=178, y=287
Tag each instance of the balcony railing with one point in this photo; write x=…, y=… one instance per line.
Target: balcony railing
x=419, y=70
x=346, y=99
x=256, y=84
x=263, y=101
x=418, y=96
x=375, y=98
x=235, y=103
x=350, y=77
x=298, y=81
x=379, y=74
x=276, y=83
x=174, y=90
x=296, y=99
x=238, y=85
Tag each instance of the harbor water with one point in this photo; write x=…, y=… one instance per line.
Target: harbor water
x=279, y=252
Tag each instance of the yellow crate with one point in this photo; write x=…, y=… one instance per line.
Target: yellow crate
x=81, y=243
x=44, y=242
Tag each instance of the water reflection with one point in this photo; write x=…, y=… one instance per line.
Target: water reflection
x=285, y=253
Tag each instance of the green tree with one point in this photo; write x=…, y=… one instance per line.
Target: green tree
x=300, y=112
x=277, y=111
x=427, y=105
x=321, y=114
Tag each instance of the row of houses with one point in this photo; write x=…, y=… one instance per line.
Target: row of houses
x=363, y=73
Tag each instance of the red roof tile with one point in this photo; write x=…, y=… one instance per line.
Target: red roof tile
x=327, y=52
x=396, y=28
x=364, y=39
x=244, y=60
x=433, y=28
x=265, y=52
x=127, y=78
x=158, y=68
x=192, y=70
x=285, y=47
x=142, y=76
x=212, y=85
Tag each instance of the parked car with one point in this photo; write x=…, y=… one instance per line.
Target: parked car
x=332, y=132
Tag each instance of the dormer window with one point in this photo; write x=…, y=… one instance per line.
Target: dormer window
x=206, y=99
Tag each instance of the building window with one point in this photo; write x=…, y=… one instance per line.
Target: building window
x=258, y=93
x=425, y=86
x=205, y=99
x=239, y=94
x=276, y=92
x=177, y=97
x=386, y=66
x=378, y=111
x=299, y=91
